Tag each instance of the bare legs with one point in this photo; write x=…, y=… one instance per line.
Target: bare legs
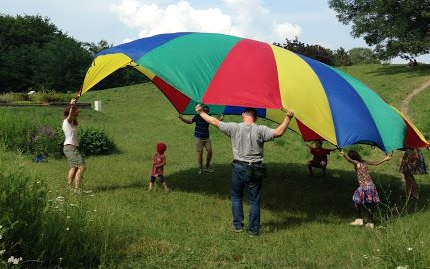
x=208, y=157
x=75, y=175
x=411, y=185
x=162, y=182
x=323, y=166
x=200, y=159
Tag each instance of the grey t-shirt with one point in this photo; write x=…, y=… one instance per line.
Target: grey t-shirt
x=247, y=140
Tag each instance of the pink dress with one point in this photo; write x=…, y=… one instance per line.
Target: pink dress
x=158, y=159
x=366, y=193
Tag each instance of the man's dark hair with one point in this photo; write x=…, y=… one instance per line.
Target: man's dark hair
x=250, y=111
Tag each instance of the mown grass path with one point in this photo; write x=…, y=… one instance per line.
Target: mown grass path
x=405, y=103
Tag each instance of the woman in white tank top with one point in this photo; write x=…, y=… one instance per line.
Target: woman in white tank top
x=70, y=149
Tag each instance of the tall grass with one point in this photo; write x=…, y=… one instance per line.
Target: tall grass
x=17, y=128
x=44, y=231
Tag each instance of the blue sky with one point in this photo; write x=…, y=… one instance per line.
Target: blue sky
x=118, y=21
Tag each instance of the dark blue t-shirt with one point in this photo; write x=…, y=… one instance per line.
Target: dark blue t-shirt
x=202, y=127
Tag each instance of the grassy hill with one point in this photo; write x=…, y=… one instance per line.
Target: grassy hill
x=304, y=220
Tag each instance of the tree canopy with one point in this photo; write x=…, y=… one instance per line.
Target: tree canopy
x=35, y=54
x=394, y=27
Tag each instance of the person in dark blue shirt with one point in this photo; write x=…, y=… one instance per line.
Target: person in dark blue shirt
x=202, y=139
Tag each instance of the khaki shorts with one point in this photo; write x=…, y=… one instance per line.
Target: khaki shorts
x=73, y=156
x=200, y=143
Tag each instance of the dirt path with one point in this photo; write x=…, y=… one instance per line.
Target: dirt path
x=405, y=103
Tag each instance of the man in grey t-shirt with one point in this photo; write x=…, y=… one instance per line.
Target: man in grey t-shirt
x=247, y=140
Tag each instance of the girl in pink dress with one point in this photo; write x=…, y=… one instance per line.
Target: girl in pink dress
x=158, y=163
x=365, y=196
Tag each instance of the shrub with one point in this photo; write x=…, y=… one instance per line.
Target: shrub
x=95, y=142
x=47, y=141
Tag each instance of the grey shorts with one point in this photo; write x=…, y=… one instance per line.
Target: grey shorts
x=73, y=156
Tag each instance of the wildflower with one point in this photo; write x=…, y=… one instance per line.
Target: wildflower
x=409, y=249
x=2, y=251
x=17, y=260
x=67, y=229
x=14, y=260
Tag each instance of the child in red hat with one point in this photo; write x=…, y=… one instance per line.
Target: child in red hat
x=158, y=163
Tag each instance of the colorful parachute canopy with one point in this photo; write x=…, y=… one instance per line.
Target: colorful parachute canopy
x=231, y=73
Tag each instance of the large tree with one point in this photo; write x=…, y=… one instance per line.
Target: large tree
x=35, y=54
x=394, y=27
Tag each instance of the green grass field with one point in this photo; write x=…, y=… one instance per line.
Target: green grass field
x=304, y=220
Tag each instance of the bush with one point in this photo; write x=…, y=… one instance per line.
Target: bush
x=95, y=142
x=47, y=141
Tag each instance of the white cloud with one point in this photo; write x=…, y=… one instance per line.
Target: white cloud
x=247, y=18
x=285, y=30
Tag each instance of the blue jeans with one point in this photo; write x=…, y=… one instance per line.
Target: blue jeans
x=238, y=182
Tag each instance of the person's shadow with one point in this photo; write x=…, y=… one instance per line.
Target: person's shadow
x=296, y=198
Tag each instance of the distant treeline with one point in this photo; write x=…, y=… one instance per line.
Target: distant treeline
x=36, y=55
x=339, y=57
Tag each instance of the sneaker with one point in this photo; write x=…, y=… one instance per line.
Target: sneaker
x=236, y=230
x=200, y=171
x=253, y=234
x=209, y=170
x=370, y=225
x=357, y=222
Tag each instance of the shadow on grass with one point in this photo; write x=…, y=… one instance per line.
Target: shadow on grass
x=293, y=196
x=114, y=187
x=417, y=71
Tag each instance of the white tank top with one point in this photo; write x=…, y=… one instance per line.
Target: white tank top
x=70, y=133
